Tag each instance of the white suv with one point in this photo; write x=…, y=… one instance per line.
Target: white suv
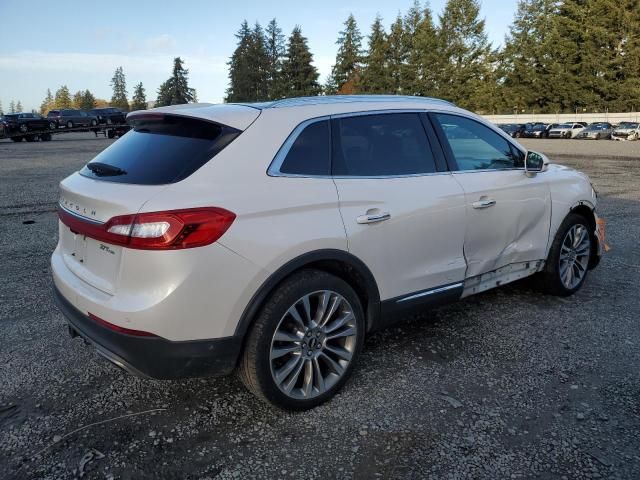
x=273, y=237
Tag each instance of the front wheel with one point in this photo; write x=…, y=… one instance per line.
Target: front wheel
x=302, y=347
x=568, y=261
x=69, y=124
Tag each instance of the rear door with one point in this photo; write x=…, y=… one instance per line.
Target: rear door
x=403, y=213
x=508, y=213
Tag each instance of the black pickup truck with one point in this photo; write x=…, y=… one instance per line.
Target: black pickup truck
x=109, y=116
x=20, y=126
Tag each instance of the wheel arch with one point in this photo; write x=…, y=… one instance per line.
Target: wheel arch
x=336, y=262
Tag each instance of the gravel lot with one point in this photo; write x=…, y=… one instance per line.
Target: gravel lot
x=506, y=384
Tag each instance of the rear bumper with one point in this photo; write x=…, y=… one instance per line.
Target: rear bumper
x=153, y=357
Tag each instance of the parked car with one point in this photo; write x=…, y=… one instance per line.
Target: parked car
x=21, y=126
x=596, y=131
x=566, y=130
x=535, y=130
x=71, y=118
x=514, y=130
x=626, y=131
x=274, y=237
x=109, y=116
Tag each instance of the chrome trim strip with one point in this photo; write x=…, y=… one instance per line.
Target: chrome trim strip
x=431, y=292
x=77, y=215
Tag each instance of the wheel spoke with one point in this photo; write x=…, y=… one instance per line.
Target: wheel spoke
x=341, y=353
x=323, y=301
x=282, y=336
x=293, y=378
x=307, y=382
x=319, y=379
x=347, y=332
x=333, y=306
x=347, y=317
x=335, y=366
x=283, y=372
x=293, y=311
x=278, y=352
x=307, y=310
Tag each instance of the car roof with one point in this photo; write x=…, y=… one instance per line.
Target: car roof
x=241, y=115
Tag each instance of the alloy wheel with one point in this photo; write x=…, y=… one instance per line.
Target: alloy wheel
x=574, y=256
x=313, y=344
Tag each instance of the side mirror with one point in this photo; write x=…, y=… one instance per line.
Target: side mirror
x=535, y=162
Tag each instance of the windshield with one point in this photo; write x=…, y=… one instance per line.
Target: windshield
x=597, y=127
x=565, y=125
x=160, y=149
x=628, y=125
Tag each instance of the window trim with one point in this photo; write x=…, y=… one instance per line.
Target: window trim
x=436, y=150
x=448, y=153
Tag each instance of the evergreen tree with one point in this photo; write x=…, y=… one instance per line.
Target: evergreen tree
x=119, y=84
x=12, y=107
x=1, y=111
x=240, y=88
x=375, y=74
x=77, y=99
x=88, y=101
x=176, y=90
x=275, y=48
x=260, y=63
x=397, y=55
x=346, y=71
x=47, y=104
x=421, y=76
x=300, y=76
x=63, y=98
x=18, y=107
x=466, y=54
x=139, y=100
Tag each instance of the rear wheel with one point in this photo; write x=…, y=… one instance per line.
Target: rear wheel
x=69, y=124
x=568, y=261
x=304, y=343
x=93, y=123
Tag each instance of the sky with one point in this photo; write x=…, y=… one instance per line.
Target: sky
x=80, y=44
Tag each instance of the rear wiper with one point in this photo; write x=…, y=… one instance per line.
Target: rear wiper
x=105, y=170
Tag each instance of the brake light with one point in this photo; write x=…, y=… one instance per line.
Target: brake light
x=169, y=230
x=116, y=328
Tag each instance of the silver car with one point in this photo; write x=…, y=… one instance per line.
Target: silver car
x=596, y=131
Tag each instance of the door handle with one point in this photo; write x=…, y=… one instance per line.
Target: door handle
x=483, y=203
x=374, y=218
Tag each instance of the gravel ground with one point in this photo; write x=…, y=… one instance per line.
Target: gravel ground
x=506, y=384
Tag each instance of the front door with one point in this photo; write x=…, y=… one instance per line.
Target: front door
x=508, y=213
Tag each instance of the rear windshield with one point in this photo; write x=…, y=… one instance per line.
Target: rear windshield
x=160, y=149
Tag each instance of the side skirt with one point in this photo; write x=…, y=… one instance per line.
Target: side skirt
x=495, y=278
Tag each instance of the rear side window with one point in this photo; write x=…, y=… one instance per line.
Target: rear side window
x=381, y=145
x=476, y=147
x=310, y=152
x=160, y=149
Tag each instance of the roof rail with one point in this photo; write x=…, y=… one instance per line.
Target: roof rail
x=333, y=99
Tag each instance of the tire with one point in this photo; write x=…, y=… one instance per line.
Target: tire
x=52, y=126
x=93, y=123
x=111, y=134
x=312, y=365
x=598, y=137
x=551, y=279
x=23, y=128
x=69, y=124
x=17, y=139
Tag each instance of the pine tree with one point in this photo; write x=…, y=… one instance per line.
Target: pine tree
x=47, y=104
x=176, y=90
x=275, y=48
x=345, y=74
x=77, y=99
x=397, y=55
x=88, y=101
x=421, y=75
x=300, y=76
x=375, y=74
x=466, y=54
x=139, y=100
x=119, y=84
x=240, y=88
x=63, y=98
x=18, y=107
x=260, y=63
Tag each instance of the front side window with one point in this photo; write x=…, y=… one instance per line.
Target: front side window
x=381, y=145
x=310, y=152
x=476, y=147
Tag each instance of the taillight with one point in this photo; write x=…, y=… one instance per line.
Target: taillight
x=170, y=230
